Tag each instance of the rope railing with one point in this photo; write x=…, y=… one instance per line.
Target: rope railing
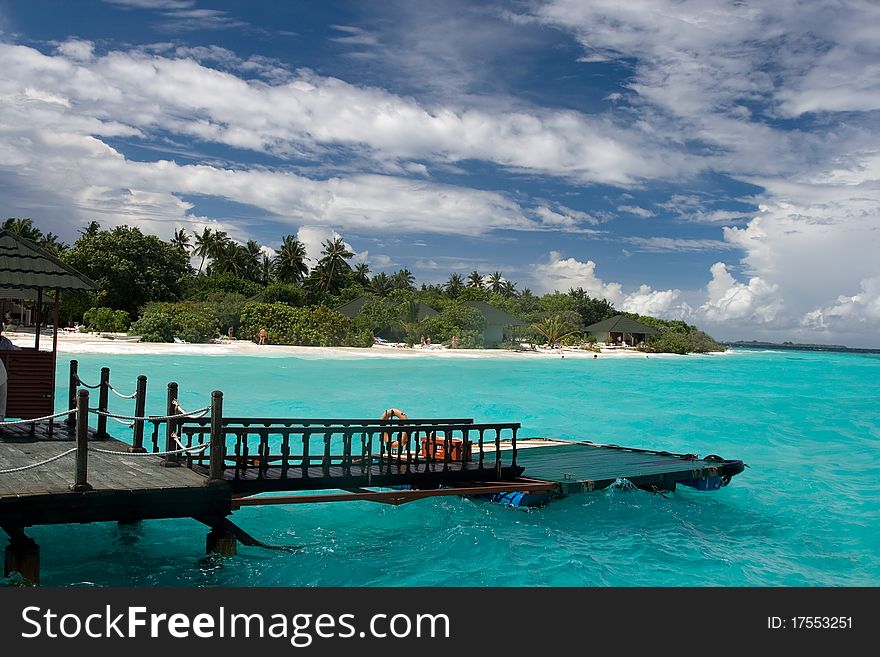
x=119, y=394
x=148, y=418
x=37, y=465
x=194, y=448
x=86, y=385
x=9, y=423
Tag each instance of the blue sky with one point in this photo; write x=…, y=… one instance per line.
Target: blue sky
x=711, y=161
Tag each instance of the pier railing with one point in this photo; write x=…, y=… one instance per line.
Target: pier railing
x=320, y=448
x=308, y=450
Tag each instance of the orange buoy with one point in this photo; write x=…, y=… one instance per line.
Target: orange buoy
x=400, y=415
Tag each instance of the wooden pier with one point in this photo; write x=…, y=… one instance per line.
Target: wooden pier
x=205, y=466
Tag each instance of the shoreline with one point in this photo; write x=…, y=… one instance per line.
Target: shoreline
x=94, y=343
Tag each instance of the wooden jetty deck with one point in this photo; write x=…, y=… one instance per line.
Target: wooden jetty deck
x=206, y=466
x=125, y=487
x=581, y=466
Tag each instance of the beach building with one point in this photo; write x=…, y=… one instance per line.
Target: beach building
x=29, y=273
x=620, y=330
x=354, y=307
x=497, y=322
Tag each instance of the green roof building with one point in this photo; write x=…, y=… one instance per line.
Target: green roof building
x=496, y=322
x=621, y=330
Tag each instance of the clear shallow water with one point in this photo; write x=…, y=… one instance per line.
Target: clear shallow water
x=806, y=512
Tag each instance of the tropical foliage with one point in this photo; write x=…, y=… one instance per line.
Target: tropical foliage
x=198, y=285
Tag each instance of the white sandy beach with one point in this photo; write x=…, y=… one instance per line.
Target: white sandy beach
x=119, y=343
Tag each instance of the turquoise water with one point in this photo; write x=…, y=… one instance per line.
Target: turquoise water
x=805, y=513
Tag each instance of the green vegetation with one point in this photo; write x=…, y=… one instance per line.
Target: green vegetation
x=106, y=319
x=676, y=337
x=316, y=326
x=239, y=286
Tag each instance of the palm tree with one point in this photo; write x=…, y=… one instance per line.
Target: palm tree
x=203, y=246
x=475, y=279
x=266, y=270
x=409, y=320
x=53, y=244
x=362, y=273
x=508, y=289
x=23, y=228
x=403, y=280
x=91, y=229
x=380, y=285
x=553, y=328
x=454, y=285
x=333, y=267
x=496, y=281
x=181, y=240
x=290, y=263
x=253, y=256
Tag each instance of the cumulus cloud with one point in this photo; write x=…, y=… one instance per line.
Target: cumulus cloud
x=849, y=314
x=728, y=299
x=563, y=273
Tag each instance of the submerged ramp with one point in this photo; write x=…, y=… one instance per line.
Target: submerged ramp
x=579, y=467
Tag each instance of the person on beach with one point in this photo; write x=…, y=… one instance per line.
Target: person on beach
x=262, y=336
x=422, y=341
x=428, y=341
x=454, y=342
x=229, y=332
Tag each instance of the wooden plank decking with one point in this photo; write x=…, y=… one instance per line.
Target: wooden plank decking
x=126, y=487
x=583, y=467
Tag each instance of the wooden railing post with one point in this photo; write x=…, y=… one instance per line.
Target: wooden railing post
x=103, y=402
x=170, y=460
x=140, y=406
x=80, y=482
x=218, y=438
x=71, y=397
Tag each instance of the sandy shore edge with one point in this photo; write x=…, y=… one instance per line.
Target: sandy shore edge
x=110, y=343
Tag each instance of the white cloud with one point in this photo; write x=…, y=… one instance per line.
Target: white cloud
x=677, y=245
x=77, y=50
x=563, y=273
x=308, y=113
x=657, y=303
x=728, y=299
x=636, y=210
x=849, y=314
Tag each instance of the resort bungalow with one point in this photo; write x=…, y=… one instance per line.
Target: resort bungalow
x=496, y=322
x=620, y=330
x=354, y=307
x=29, y=273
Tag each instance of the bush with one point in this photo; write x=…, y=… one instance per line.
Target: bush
x=201, y=288
x=312, y=326
x=292, y=295
x=187, y=320
x=106, y=319
x=455, y=319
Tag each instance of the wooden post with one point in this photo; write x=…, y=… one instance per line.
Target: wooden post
x=39, y=318
x=82, y=442
x=221, y=541
x=103, y=402
x=71, y=398
x=22, y=556
x=218, y=438
x=140, y=405
x=171, y=460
